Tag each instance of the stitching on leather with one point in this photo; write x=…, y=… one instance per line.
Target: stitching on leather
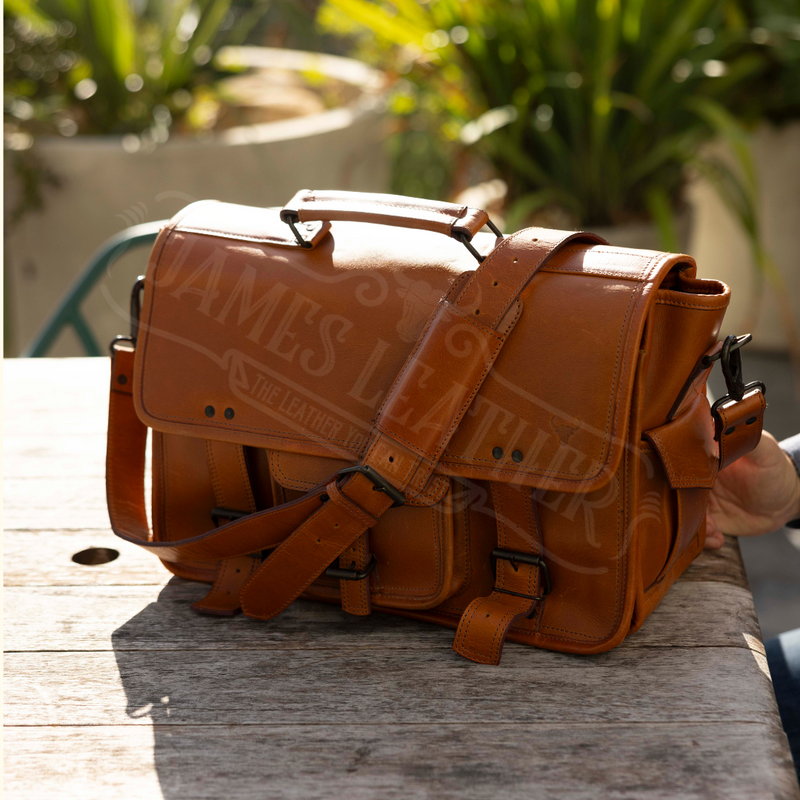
x=612, y=402
x=430, y=492
x=445, y=439
x=305, y=585
x=218, y=494
x=694, y=305
x=433, y=317
x=696, y=482
x=239, y=236
x=485, y=264
x=501, y=533
x=248, y=489
x=341, y=500
x=526, y=279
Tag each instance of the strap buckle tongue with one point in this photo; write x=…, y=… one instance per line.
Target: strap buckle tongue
x=379, y=483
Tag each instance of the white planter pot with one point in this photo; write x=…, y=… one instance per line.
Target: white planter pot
x=723, y=252
x=104, y=189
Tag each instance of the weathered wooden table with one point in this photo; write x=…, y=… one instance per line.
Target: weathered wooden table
x=114, y=688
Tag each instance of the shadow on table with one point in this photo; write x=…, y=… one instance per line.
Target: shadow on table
x=194, y=747
x=229, y=716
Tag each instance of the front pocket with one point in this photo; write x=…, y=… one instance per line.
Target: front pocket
x=414, y=544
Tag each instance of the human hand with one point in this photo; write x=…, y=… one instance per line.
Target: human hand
x=758, y=493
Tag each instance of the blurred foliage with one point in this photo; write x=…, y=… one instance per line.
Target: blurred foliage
x=594, y=108
x=116, y=66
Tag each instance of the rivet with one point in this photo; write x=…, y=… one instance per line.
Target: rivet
x=122, y=379
x=228, y=413
x=516, y=456
x=497, y=452
x=730, y=431
x=209, y=411
x=323, y=498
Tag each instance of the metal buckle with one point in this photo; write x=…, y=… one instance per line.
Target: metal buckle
x=291, y=220
x=730, y=359
x=523, y=558
x=228, y=514
x=352, y=574
x=119, y=340
x=136, y=307
x=466, y=239
x=379, y=483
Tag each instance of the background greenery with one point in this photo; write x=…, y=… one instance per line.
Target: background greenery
x=594, y=108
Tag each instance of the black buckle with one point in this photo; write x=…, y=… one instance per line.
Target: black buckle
x=291, y=220
x=228, y=514
x=730, y=359
x=136, y=307
x=379, y=483
x=466, y=239
x=523, y=558
x=352, y=574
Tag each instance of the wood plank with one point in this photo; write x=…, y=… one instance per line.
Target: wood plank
x=38, y=455
x=44, y=558
x=359, y=684
x=68, y=501
x=159, y=618
x=724, y=565
x=361, y=762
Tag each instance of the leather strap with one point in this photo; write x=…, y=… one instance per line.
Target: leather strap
x=738, y=426
x=232, y=491
x=385, y=209
x=518, y=586
x=454, y=354
x=356, y=593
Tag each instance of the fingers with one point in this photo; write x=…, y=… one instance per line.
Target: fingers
x=714, y=541
x=714, y=536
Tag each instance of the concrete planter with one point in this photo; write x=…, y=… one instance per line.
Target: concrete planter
x=722, y=251
x=103, y=189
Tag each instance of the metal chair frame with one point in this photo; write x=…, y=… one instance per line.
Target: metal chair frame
x=68, y=311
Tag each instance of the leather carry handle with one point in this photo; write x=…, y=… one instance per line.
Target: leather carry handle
x=459, y=222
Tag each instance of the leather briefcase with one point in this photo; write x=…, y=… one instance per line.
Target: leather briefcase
x=363, y=399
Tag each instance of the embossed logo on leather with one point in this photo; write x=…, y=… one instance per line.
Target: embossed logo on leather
x=563, y=428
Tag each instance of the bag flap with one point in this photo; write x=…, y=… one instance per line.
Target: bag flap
x=247, y=337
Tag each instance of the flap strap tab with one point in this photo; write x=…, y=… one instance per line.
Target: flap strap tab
x=521, y=578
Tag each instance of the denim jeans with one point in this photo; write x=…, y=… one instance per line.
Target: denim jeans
x=783, y=656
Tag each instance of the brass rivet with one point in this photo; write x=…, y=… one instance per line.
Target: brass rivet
x=228, y=413
x=209, y=411
x=122, y=379
x=516, y=456
x=497, y=452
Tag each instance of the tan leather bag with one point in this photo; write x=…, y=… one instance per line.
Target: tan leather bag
x=361, y=399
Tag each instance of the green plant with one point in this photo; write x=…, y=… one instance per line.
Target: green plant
x=594, y=106
x=115, y=66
